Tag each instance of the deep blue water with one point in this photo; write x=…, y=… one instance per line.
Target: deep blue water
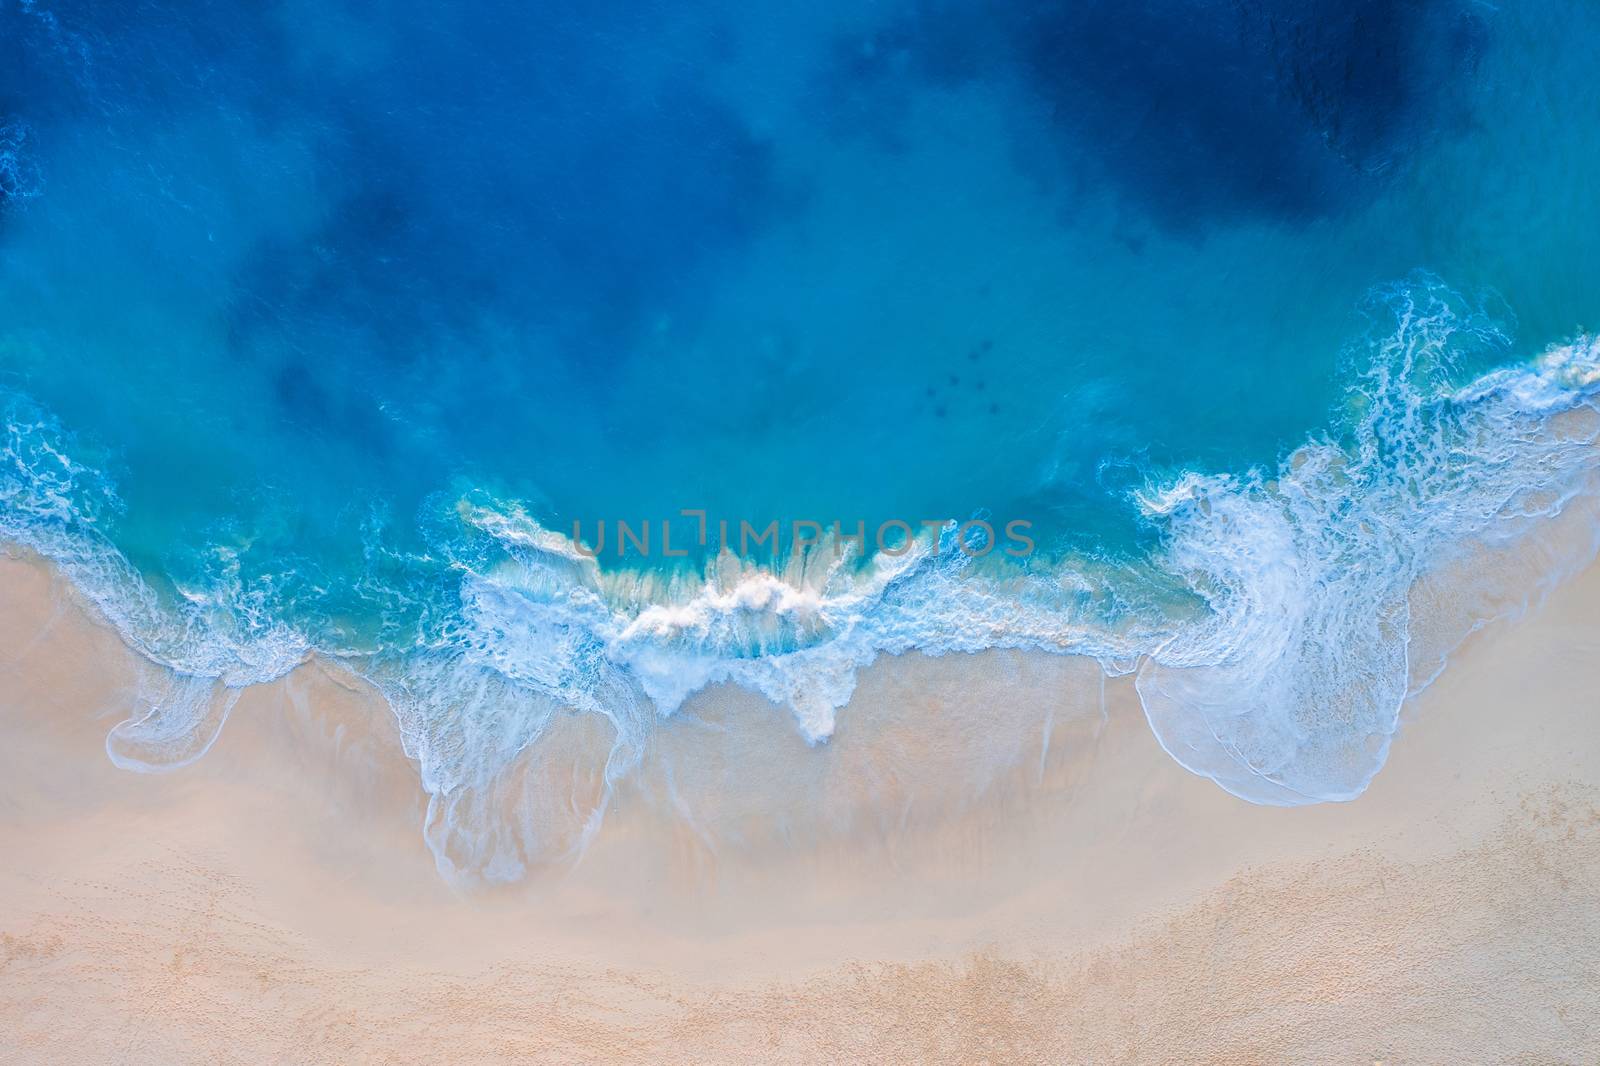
x=317, y=318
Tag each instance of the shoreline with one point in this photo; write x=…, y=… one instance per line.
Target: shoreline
x=282, y=865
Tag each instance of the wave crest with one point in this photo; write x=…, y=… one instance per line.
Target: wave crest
x=1279, y=671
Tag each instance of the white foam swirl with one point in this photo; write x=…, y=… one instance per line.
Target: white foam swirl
x=1289, y=689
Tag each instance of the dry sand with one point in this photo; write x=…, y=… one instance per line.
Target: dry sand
x=1079, y=897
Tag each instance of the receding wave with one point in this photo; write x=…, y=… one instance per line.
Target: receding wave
x=1276, y=632
x=1288, y=689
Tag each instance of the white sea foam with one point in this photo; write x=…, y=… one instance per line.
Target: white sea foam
x=207, y=647
x=1289, y=689
x=1283, y=679
x=544, y=632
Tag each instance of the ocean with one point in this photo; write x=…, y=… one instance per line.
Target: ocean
x=1186, y=335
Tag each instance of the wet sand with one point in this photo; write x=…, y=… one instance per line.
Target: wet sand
x=991, y=861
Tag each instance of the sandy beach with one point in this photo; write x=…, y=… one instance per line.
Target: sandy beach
x=1088, y=900
x=918, y=531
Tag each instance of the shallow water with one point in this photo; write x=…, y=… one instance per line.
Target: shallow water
x=320, y=328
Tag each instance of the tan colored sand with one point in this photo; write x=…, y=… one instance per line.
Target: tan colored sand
x=1090, y=901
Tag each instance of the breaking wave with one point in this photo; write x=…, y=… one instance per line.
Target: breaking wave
x=1275, y=632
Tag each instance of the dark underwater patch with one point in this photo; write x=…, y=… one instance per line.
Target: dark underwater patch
x=545, y=217
x=1201, y=110
x=510, y=169
x=510, y=164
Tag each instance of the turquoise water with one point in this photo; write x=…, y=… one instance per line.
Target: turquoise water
x=321, y=327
